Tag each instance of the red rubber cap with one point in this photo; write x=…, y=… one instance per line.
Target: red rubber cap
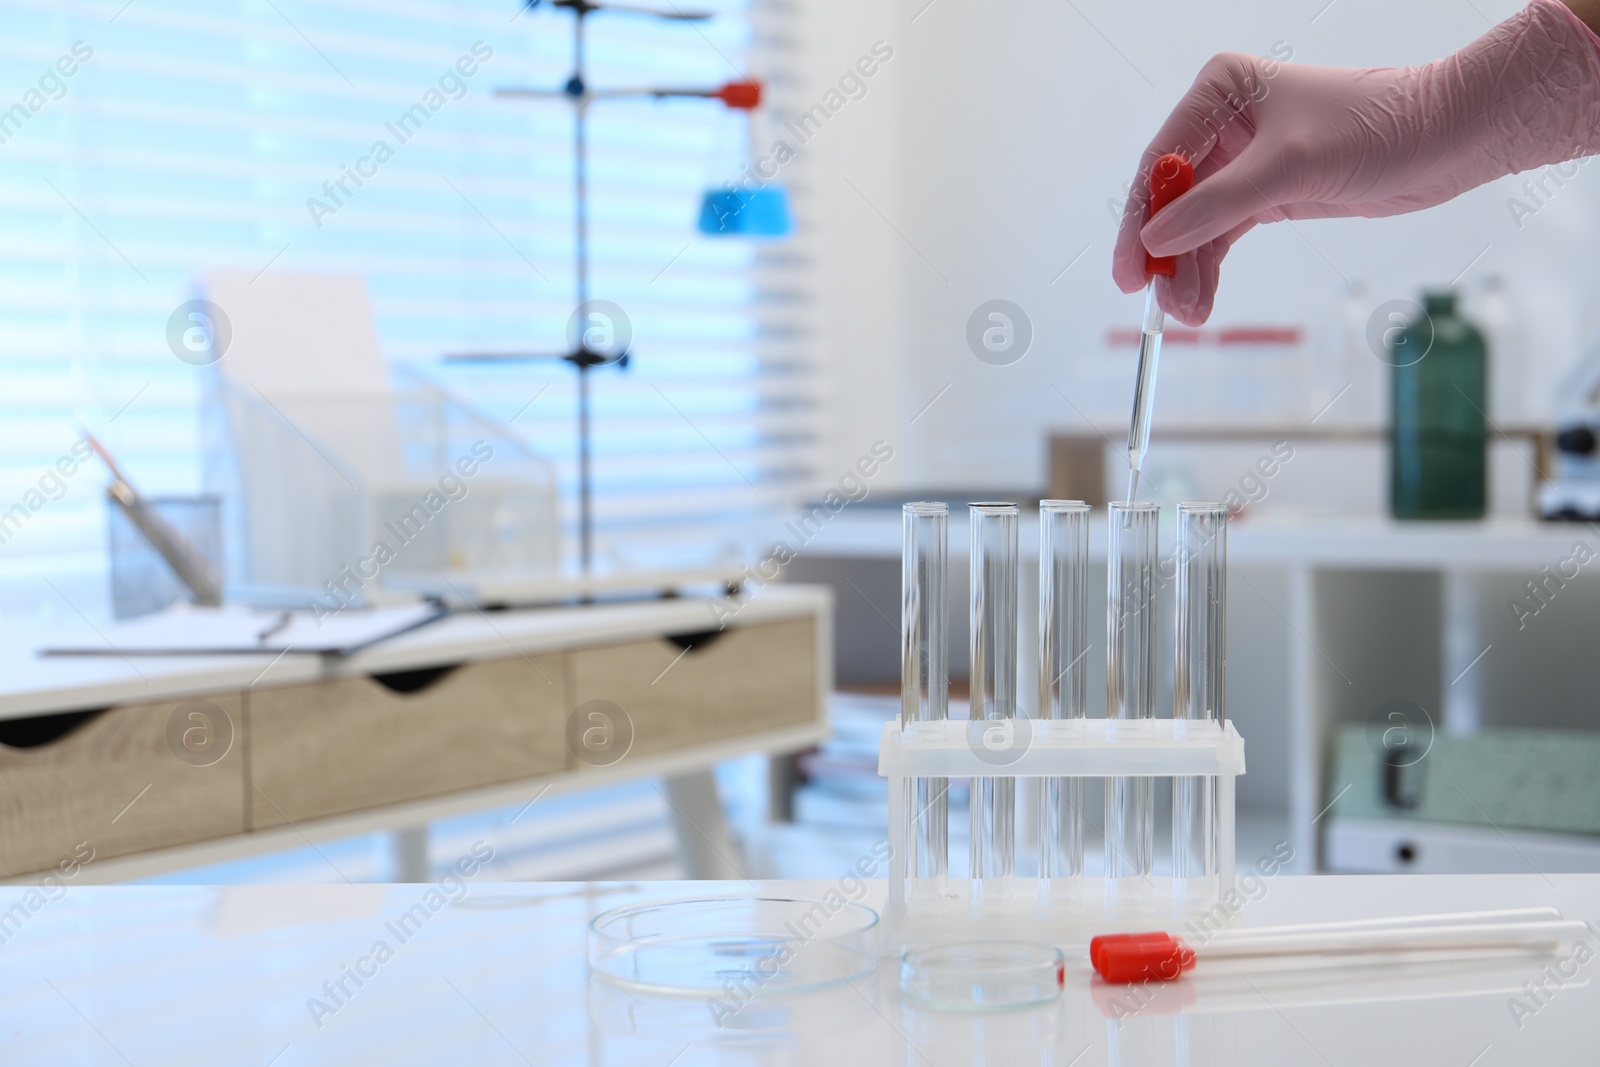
x=1097, y=944
x=1170, y=177
x=1127, y=958
x=741, y=96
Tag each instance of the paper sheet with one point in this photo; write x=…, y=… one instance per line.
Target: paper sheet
x=185, y=630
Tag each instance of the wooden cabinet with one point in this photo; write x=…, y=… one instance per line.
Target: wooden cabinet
x=478, y=710
x=699, y=688
x=353, y=743
x=112, y=782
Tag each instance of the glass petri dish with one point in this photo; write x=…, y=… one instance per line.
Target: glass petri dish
x=772, y=1021
x=983, y=976
x=735, y=947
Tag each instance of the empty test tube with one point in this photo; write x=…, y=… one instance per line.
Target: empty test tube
x=1063, y=671
x=994, y=679
x=1202, y=599
x=924, y=684
x=1130, y=686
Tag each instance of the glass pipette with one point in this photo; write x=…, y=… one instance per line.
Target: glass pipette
x=1170, y=177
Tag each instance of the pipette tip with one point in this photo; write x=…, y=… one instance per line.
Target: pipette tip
x=1133, y=484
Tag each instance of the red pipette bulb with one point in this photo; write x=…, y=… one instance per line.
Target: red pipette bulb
x=1170, y=177
x=740, y=96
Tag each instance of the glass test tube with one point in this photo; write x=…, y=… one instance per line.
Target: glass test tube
x=1063, y=671
x=1202, y=599
x=1131, y=686
x=924, y=681
x=993, y=623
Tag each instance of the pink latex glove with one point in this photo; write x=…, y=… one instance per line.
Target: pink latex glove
x=1272, y=141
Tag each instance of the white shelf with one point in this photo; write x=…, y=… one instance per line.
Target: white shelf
x=1405, y=846
x=1303, y=548
x=1376, y=544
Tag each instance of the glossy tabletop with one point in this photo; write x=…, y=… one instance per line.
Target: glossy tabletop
x=484, y=974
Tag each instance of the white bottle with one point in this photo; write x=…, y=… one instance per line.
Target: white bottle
x=1363, y=372
x=1488, y=307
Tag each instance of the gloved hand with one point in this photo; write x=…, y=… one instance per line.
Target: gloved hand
x=1274, y=141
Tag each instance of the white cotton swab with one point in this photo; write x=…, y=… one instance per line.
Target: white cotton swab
x=1162, y=957
x=1450, y=918
x=1548, y=936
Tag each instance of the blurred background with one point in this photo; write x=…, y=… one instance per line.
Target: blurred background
x=792, y=285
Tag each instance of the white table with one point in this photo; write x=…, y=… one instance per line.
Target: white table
x=147, y=975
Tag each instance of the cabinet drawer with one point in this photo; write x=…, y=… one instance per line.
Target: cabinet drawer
x=742, y=680
x=114, y=781
x=354, y=743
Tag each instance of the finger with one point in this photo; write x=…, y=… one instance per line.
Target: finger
x=1203, y=129
x=1199, y=275
x=1205, y=123
x=1181, y=293
x=1182, y=289
x=1127, y=258
x=1312, y=210
x=1241, y=192
x=1164, y=296
x=1208, y=264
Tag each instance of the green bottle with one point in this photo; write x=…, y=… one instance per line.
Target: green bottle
x=1438, y=441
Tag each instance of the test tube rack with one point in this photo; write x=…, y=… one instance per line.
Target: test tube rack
x=928, y=904
x=927, y=911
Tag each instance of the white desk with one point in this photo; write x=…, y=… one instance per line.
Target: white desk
x=145, y=975
x=329, y=747
x=33, y=685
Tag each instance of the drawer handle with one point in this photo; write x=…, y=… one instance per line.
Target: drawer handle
x=36, y=731
x=1400, y=789
x=699, y=639
x=414, y=681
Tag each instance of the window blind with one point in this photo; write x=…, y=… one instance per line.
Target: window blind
x=197, y=134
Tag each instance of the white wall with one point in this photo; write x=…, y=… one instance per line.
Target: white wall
x=861, y=301
x=988, y=147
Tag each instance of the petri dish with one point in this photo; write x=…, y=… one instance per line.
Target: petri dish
x=983, y=976
x=736, y=947
x=771, y=1021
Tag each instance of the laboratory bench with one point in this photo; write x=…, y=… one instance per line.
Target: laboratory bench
x=477, y=710
x=482, y=973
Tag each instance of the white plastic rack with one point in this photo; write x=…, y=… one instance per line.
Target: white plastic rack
x=1196, y=748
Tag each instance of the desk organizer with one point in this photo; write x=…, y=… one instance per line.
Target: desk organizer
x=318, y=481
x=1129, y=749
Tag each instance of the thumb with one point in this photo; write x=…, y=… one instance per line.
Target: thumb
x=1226, y=199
